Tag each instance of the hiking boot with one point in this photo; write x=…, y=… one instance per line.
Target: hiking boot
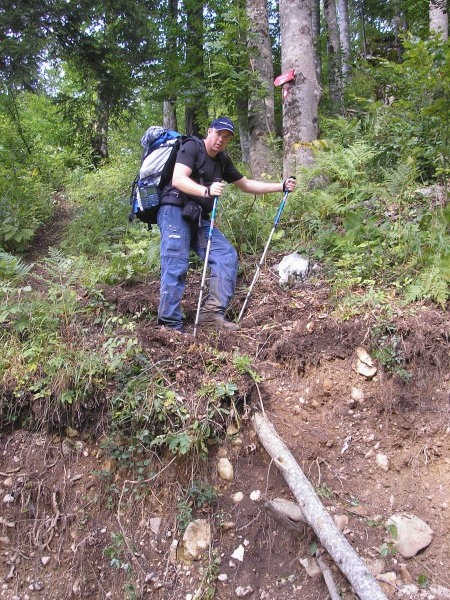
x=209, y=318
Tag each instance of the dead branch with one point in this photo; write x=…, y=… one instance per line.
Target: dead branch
x=348, y=561
x=328, y=577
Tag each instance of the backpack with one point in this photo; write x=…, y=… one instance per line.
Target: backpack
x=160, y=147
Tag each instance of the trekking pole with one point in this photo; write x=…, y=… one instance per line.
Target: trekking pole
x=205, y=266
x=258, y=269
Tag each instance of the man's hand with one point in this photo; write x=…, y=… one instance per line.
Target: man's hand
x=216, y=188
x=289, y=184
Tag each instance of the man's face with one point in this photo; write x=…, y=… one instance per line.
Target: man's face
x=219, y=138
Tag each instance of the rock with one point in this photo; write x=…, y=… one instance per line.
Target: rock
x=288, y=509
x=291, y=268
x=382, y=461
x=4, y=540
x=341, y=521
x=376, y=566
x=387, y=582
x=357, y=395
x=196, y=539
x=311, y=567
x=155, y=524
x=407, y=591
x=412, y=534
x=364, y=364
x=439, y=592
x=243, y=592
x=255, y=495
x=223, y=577
x=45, y=560
x=238, y=554
x=225, y=469
x=237, y=497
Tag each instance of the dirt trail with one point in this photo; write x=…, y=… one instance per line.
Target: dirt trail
x=62, y=536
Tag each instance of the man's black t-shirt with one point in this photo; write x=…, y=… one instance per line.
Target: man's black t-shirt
x=205, y=170
x=220, y=167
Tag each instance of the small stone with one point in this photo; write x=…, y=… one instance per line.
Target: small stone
x=237, y=497
x=311, y=567
x=238, y=554
x=8, y=498
x=341, y=521
x=357, y=395
x=45, y=560
x=8, y=482
x=255, y=495
x=222, y=577
x=382, y=461
x=155, y=524
x=390, y=577
x=243, y=592
x=225, y=469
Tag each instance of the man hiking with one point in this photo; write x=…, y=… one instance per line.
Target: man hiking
x=183, y=219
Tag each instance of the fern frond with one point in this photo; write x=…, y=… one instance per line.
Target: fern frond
x=12, y=267
x=401, y=178
x=432, y=284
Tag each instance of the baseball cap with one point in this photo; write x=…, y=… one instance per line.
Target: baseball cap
x=223, y=123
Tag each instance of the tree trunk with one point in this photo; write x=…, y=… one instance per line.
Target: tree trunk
x=169, y=115
x=334, y=55
x=244, y=138
x=399, y=28
x=343, y=554
x=196, y=111
x=169, y=104
x=439, y=18
x=315, y=29
x=362, y=14
x=302, y=96
x=261, y=116
x=344, y=34
x=100, y=128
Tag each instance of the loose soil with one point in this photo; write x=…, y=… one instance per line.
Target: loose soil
x=68, y=531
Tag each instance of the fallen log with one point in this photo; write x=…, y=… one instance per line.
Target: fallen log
x=346, y=558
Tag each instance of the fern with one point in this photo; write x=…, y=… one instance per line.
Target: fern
x=433, y=283
x=401, y=178
x=12, y=267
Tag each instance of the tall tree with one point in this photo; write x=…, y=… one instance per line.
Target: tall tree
x=300, y=105
x=261, y=114
x=169, y=103
x=196, y=109
x=439, y=18
x=315, y=25
x=344, y=35
x=334, y=55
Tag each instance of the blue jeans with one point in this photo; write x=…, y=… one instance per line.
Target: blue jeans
x=177, y=240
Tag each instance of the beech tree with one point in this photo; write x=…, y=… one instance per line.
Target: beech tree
x=439, y=18
x=334, y=54
x=261, y=115
x=195, y=86
x=300, y=105
x=344, y=35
